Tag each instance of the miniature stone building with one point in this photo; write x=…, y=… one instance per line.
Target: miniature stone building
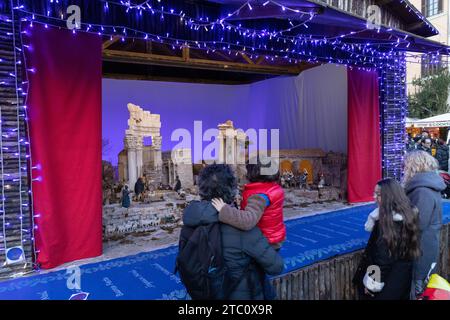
x=136, y=159
x=178, y=163
x=232, y=146
x=233, y=149
x=297, y=160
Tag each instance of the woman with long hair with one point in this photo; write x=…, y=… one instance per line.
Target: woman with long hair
x=423, y=185
x=385, y=272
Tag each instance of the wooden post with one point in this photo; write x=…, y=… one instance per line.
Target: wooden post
x=186, y=55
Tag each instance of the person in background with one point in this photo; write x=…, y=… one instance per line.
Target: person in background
x=304, y=179
x=247, y=254
x=423, y=185
x=425, y=145
x=139, y=188
x=177, y=186
x=126, y=197
x=410, y=143
x=442, y=155
x=392, y=247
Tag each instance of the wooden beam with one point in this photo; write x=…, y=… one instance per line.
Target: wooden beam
x=414, y=26
x=383, y=2
x=148, y=46
x=260, y=59
x=224, y=56
x=246, y=58
x=166, y=50
x=122, y=76
x=186, y=62
x=186, y=53
x=109, y=42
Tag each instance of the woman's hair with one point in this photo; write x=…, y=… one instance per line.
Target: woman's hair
x=403, y=244
x=217, y=181
x=418, y=161
x=254, y=166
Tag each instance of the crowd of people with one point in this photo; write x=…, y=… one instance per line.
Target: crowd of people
x=436, y=147
x=403, y=245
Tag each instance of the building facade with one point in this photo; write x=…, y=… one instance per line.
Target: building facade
x=437, y=12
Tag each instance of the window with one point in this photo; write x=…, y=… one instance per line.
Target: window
x=432, y=7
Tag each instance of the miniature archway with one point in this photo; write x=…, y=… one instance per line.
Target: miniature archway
x=285, y=166
x=141, y=124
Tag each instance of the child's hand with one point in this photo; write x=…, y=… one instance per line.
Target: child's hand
x=218, y=204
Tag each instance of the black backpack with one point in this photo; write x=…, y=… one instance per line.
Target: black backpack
x=200, y=262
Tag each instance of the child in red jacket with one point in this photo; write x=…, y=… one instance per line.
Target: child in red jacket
x=262, y=205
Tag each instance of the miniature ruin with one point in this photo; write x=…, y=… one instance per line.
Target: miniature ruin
x=308, y=176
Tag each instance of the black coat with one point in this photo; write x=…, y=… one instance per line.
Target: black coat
x=424, y=191
x=177, y=185
x=139, y=186
x=422, y=148
x=395, y=273
x=240, y=249
x=442, y=157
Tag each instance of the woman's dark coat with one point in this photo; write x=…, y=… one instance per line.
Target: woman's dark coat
x=442, y=157
x=240, y=248
x=139, y=186
x=424, y=191
x=395, y=273
x=126, y=198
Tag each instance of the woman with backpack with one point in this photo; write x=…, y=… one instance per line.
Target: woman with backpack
x=385, y=271
x=423, y=185
x=237, y=269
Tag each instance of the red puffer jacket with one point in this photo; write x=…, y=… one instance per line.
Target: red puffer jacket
x=271, y=222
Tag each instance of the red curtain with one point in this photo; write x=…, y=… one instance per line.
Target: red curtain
x=65, y=134
x=364, y=146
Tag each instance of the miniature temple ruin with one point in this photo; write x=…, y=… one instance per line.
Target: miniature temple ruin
x=178, y=162
x=136, y=159
x=232, y=146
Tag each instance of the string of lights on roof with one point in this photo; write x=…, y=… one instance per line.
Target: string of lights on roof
x=293, y=51
x=206, y=24
x=266, y=35
x=293, y=56
x=248, y=32
x=413, y=9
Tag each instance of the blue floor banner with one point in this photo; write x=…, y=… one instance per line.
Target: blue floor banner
x=150, y=275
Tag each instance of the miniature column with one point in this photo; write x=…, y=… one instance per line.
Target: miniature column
x=139, y=155
x=156, y=142
x=130, y=146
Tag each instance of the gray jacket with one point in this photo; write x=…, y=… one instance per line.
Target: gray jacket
x=240, y=249
x=424, y=191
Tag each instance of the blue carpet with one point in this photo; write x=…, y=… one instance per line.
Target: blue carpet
x=149, y=275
